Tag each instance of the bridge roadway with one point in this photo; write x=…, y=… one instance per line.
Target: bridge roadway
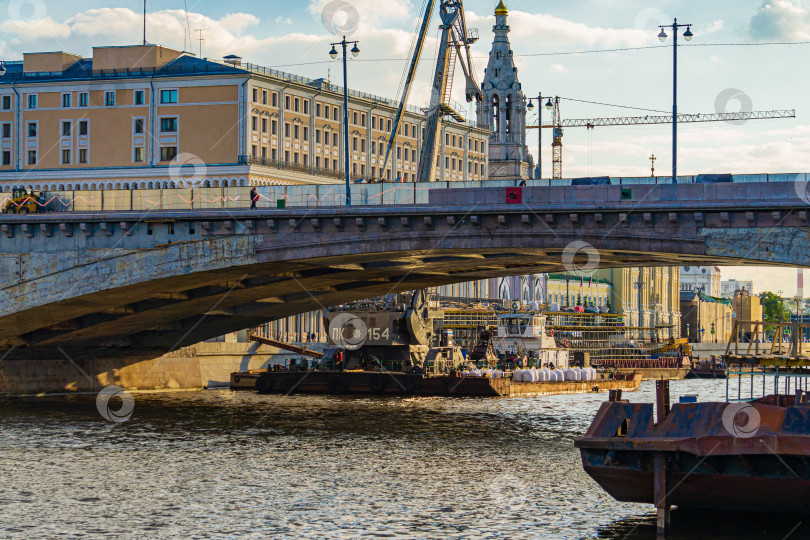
x=137, y=284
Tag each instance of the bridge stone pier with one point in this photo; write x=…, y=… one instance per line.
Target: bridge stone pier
x=104, y=290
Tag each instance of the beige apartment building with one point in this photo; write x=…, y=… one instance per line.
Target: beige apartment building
x=147, y=116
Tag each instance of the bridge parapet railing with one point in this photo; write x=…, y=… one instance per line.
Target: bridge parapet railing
x=363, y=194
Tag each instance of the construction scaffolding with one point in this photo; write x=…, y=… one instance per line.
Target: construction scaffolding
x=606, y=340
x=603, y=337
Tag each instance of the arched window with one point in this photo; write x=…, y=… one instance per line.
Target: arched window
x=509, y=107
x=496, y=113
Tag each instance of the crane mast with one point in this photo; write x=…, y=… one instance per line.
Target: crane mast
x=556, y=143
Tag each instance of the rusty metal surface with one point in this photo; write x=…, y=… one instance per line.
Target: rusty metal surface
x=698, y=428
x=709, y=463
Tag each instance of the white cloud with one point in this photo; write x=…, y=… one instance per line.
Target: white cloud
x=559, y=69
x=536, y=29
x=780, y=19
x=237, y=22
x=716, y=26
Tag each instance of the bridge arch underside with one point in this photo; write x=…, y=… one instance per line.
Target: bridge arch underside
x=269, y=276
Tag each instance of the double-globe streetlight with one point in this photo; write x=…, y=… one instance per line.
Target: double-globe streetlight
x=530, y=106
x=333, y=53
x=663, y=37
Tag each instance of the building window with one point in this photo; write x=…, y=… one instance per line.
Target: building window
x=335, y=113
x=138, y=157
x=66, y=157
x=168, y=153
x=83, y=99
x=287, y=102
x=83, y=127
x=354, y=144
x=32, y=101
x=83, y=155
x=65, y=100
x=334, y=139
x=274, y=99
x=139, y=97
x=6, y=157
x=274, y=127
x=306, y=132
x=168, y=125
x=317, y=136
x=354, y=118
x=264, y=152
x=254, y=123
x=287, y=130
x=138, y=128
x=32, y=129
x=317, y=109
x=297, y=131
x=254, y=150
x=264, y=125
x=363, y=120
x=32, y=157
x=6, y=131
x=274, y=154
x=168, y=96
x=264, y=97
x=362, y=145
x=297, y=104
x=6, y=102
x=66, y=129
x=109, y=99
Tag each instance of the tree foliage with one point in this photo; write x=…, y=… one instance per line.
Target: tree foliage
x=773, y=308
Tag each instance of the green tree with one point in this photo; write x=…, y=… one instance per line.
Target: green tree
x=773, y=310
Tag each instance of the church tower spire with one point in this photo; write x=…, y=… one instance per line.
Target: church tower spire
x=503, y=108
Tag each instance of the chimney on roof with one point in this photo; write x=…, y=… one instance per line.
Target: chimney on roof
x=233, y=60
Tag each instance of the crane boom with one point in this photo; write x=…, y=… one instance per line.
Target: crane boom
x=454, y=39
x=406, y=90
x=667, y=119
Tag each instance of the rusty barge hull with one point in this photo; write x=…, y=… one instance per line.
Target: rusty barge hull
x=366, y=382
x=705, y=464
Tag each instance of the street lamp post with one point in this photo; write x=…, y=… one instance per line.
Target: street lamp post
x=699, y=289
x=333, y=53
x=549, y=106
x=663, y=37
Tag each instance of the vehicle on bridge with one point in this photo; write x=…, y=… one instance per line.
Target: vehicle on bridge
x=25, y=201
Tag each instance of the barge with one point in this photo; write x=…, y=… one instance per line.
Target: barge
x=360, y=382
x=745, y=454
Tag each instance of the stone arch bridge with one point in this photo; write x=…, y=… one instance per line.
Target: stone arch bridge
x=136, y=285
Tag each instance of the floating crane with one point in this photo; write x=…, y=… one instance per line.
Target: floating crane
x=558, y=124
x=454, y=45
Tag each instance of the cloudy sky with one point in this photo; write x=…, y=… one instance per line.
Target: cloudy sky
x=560, y=49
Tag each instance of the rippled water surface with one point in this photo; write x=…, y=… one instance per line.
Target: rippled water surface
x=234, y=464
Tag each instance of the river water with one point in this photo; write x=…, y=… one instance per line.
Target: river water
x=236, y=464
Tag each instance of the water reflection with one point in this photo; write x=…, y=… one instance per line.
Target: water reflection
x=222, y=463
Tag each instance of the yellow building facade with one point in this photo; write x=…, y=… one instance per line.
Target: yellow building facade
x=148, y=116
x=647, y=297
